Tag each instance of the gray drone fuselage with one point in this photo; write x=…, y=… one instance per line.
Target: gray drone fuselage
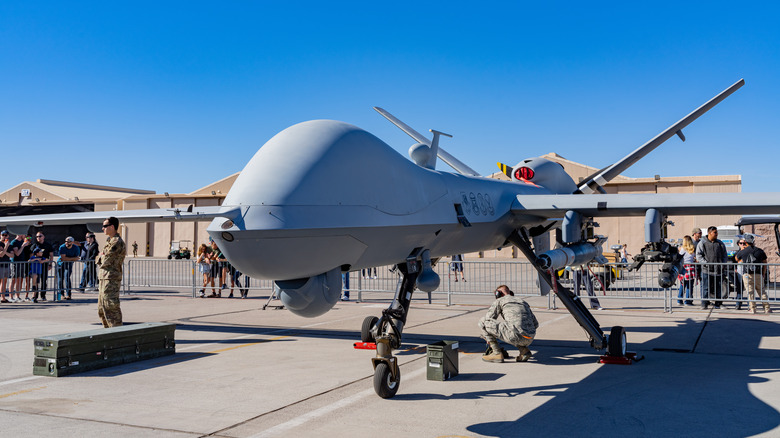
x=324, y=194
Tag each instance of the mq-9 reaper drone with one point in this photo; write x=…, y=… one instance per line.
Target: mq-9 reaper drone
x=312, y=204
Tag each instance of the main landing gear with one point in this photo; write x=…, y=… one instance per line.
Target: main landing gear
x=615, y=344
x=386, y=332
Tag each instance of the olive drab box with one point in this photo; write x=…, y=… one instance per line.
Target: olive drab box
x=442, y=360
x=71, y=353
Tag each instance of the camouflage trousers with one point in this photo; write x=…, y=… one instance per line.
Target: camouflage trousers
x=493, y=329
x=108, y=302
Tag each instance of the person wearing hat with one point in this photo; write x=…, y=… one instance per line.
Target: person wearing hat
x=712, y=253
x=111, y=261
x=69, y=253
x=517, y=328
x=754, y=260
x=696, y=236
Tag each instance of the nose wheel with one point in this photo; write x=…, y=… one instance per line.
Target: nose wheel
x=385, y=383
x=385, y=332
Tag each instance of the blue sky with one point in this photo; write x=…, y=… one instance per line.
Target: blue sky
x=171, y=96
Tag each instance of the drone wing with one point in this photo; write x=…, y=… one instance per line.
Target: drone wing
x=612, y=205
x=94, y=219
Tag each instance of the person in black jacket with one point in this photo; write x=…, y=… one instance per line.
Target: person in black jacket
x=712, y=252
x=753, y=271
x=89, y=252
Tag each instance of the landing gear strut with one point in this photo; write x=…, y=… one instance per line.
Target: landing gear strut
x=615, y=343
x=386, y=332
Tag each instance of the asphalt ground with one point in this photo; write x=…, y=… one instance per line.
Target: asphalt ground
x=240, y=371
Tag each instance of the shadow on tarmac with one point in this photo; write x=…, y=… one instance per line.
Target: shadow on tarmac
x=706, y=393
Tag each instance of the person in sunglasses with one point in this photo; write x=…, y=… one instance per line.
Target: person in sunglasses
x=518, y=327
x=753, y=271
x=69, y=253
x=110, y=261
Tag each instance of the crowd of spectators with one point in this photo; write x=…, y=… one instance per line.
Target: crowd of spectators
x=26, y=264
x=214, y=267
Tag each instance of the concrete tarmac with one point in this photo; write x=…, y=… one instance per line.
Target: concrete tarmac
x=240, y=371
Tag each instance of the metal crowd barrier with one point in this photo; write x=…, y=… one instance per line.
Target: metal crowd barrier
x=181, y=274
x=52, y=279
x=611, y=281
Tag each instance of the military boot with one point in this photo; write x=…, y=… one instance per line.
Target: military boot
x=524, y=354
x=494, y=355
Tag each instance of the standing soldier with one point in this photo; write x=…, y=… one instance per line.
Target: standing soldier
x=110, y=275
x=135, y=248
x=518, y=328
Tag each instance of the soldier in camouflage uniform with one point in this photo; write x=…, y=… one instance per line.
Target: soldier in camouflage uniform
x=518, y=327
x=110, y=275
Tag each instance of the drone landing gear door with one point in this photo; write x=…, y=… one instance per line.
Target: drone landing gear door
x=541, y=245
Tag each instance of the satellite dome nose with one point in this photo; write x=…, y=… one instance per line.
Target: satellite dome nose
x=420, y=153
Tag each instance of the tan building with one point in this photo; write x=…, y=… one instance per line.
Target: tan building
x=631, y=230
x=154, y=239
x=49, y=197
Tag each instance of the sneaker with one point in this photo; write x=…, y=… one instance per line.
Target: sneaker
x=224, y=286
x=4, y=301
x=716, y=307
x=43, y=299
x=344, y=298
x=27, y=299
x=598, y=308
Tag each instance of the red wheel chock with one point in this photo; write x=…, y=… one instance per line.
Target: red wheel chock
x=628, y=359
x=364, y=345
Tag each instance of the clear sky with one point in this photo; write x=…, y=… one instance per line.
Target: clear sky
x=173, y=95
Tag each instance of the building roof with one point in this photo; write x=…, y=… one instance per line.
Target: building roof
x=58, y=192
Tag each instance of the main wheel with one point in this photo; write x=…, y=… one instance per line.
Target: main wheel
x=616, y=344
x=365, y=331
x=384, y=385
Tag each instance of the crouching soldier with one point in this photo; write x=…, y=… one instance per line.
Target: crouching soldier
x=518, y=327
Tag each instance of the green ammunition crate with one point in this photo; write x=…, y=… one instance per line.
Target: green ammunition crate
x=71, y=353
x=442, y=360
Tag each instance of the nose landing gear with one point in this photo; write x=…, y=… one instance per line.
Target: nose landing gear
x=386, y=332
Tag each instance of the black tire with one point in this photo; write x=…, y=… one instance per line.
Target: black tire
x=616, y=344
x=169, y=257
x=365, y=331
x=384, y=385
